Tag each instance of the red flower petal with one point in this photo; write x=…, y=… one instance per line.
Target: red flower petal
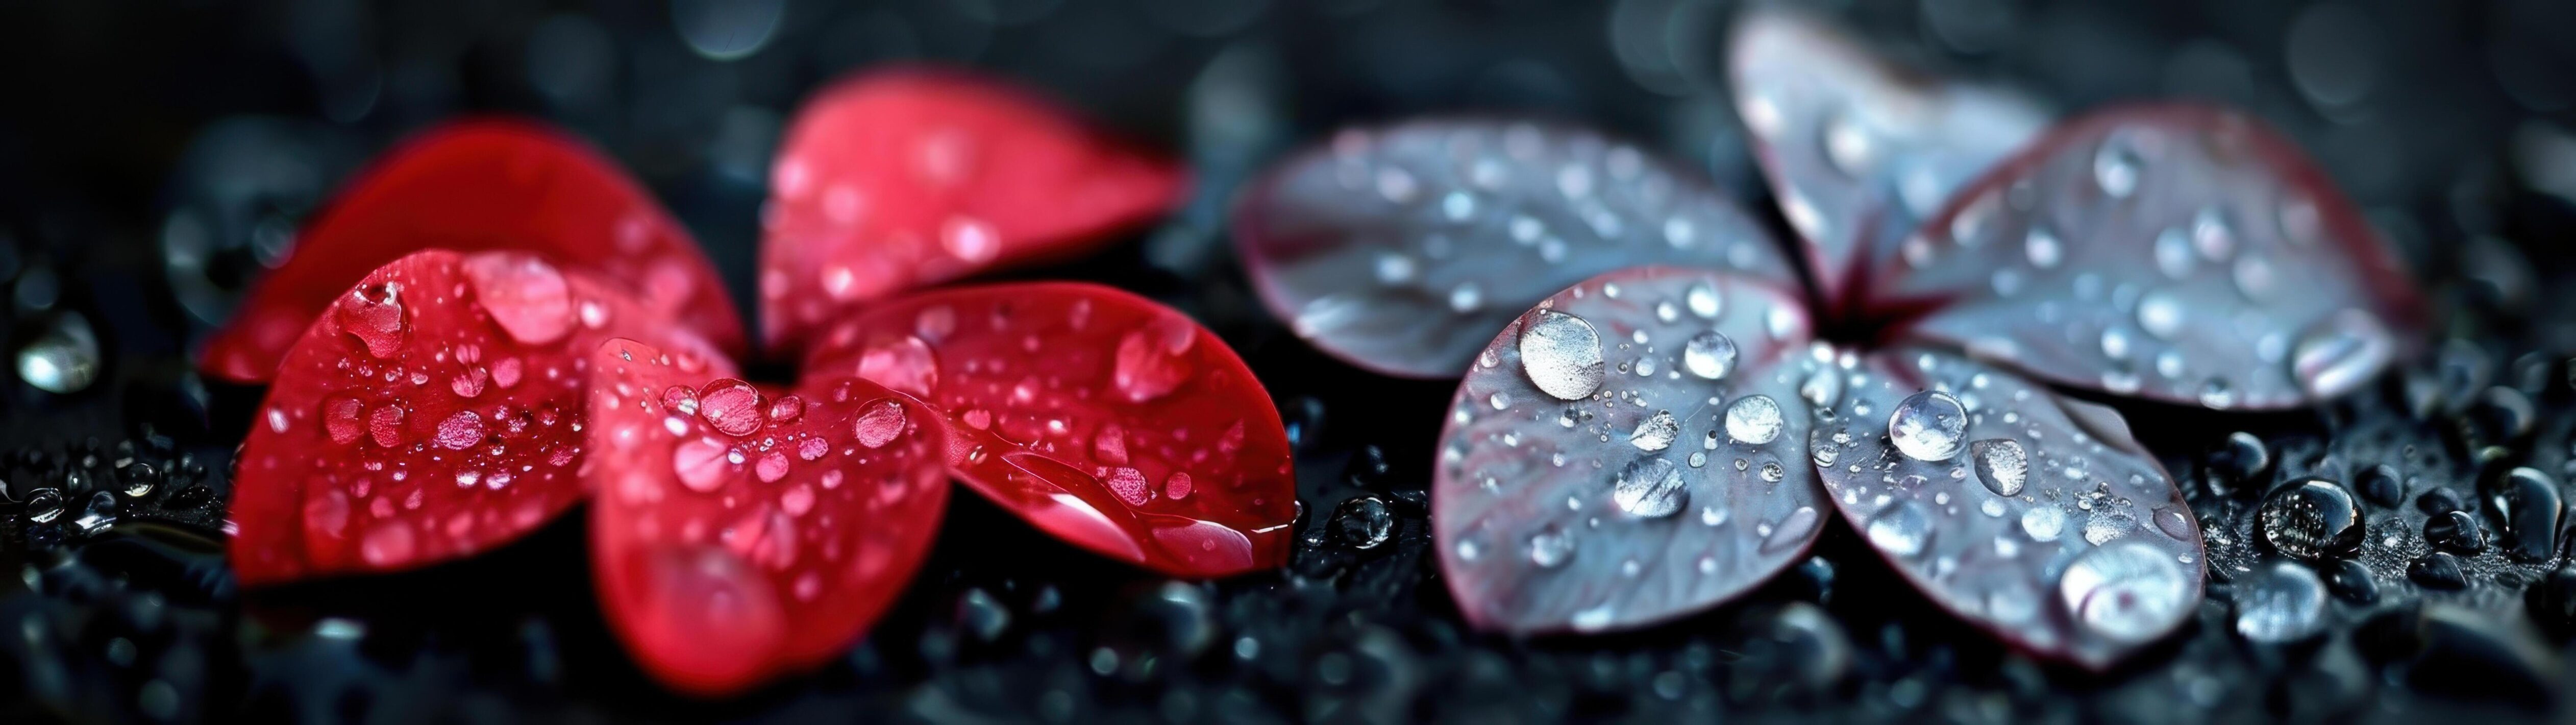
x=905, y=178
x=739, y=535
x=1401, y=249
x=1859, y=150
x=1629, y=452
x=1103, y=418
x=432, y=412
x=2176, y=252
x=479, y=185
x=2032, y=515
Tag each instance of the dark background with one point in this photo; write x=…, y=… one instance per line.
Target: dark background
x=157, y=154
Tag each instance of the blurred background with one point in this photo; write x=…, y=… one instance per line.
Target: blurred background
x=164, y=153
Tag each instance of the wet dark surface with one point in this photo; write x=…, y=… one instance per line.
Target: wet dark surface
x=210, y=129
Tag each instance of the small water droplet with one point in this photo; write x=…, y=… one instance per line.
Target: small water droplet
x=2002, y=465
x=1703, y=300
x=1551, y=547
x=2117, y=165
x=1709, y=355
x=2340, y=353
x=1656, y=432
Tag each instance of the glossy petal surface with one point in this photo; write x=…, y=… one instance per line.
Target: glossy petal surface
x=1859, y=150
x=471, y=186
x=2031, y=515
x=1630, y=451
x=2180, y=253
x=431, y=413
x=1099, y=416
x=738, y=535
x=905, y=178
x=1403, y=248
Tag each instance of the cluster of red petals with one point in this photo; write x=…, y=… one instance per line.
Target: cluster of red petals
x=494, y=324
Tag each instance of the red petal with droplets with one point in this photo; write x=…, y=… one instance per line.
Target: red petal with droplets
x=905, y=178
x=479, y=185
x=1401, y=249
x=738, y=535
x=2032, y=515
x=432, y=412
x=1860, y=150
x=1629, y=452
x=2176, y=252
x=1099, y=416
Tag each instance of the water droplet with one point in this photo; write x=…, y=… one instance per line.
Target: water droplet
x=731, y=406
x=1550, y=547
x=1792, y=531
x=700, y=463
x=2173, y=253
x=524, y=295
x=2127, y=591
x=374, y=315
x=2042, y=248
x=2002, y=465
x=2285, y=602
x=1561, y=353
x=1848, y=145
x=1822, y=388
x=1656, y=432
x=1703, y=300
x=44, y=505
x=2160, y=314
x=2044, y=522
x=1709, y=354
x=2340, y=353
x=1466, y=298
x=2312, y=519
x=1928, y=426
x=460, y=431
x=1650, y=488
x=1754, y=419
x=905, y=364
x=884, y=419
x=2117, y=165
x=970, y=239
x=1903, y=530
x=1154, y=360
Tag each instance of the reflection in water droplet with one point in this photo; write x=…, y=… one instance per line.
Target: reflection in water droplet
x=1561, y=353
x=1650, y=488
x=1754, y=419
x=2002, y=465
x=1709, y=355
x=1928, y=426
x=2126, y=592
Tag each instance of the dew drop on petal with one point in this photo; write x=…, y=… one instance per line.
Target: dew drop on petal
x=1903, y=530
x=1656, y=432
x=880, y=423
x=1709, y=355
x=1650, y=488
x=1561, y=354
x=1928, y=426
x=2002, y=465
x=1754, y=419
x=2340, y=353
x=1551, y=547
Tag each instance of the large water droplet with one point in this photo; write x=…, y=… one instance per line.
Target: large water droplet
x=1154, y=360
x=1550, y=547
x=2312, y=519
x=1928, y=426
x=374, y=315
x=524, y=295
x=1656, y=432
x=1709, y=354
x=1903, y=530
x=2002, y=465
x=1561, y=354
x=1650, y=488
x=731, y=406
x=1754, y=419
x=2127, y=591
x=882, y=420
x=2285, y=602
x=2340, y=353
